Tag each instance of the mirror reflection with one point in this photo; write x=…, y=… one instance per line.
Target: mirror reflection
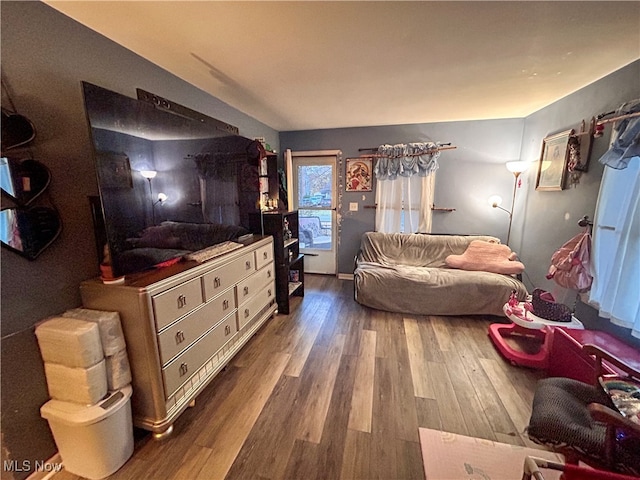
x=23, y=181
x=28, y=231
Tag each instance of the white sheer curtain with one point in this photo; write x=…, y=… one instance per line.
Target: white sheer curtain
x=616, y=247
x=405, y=187
x=404, y=204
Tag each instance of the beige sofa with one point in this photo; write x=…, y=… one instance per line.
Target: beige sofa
x=407, y=273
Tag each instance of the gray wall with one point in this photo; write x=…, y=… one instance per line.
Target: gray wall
x=466, y=178
x=45, y=55
x=545, y=220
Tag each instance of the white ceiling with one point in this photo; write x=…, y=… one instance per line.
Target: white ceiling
x=305, y=65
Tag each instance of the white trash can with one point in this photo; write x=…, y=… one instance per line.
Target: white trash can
x=93, y=441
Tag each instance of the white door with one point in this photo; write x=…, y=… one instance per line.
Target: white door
x=312, y=177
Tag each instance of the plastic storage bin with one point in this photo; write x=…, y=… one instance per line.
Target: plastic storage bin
x=93, y=441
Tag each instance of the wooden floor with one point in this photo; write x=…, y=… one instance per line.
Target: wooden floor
x=336, y=390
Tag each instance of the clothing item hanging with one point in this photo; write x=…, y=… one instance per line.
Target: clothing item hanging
x=570, y=263
x=625, y=142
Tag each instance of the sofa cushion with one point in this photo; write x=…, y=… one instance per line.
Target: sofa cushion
x=486, y=257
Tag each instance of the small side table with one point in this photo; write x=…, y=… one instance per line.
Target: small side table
x=527, y=327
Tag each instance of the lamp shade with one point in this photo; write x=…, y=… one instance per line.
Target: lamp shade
x=148, y=174
x=495, y=200
x=517, y=166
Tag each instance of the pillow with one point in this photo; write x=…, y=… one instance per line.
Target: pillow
x=486, y=257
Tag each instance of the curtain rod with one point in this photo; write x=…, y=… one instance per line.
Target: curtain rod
x=619, y=117
x=440, y=145
x=376, y=155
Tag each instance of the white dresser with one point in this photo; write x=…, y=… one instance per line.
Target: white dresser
x=183, y=324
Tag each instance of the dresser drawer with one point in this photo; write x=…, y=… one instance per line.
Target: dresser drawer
x=249, y=286
x=172, y=340
x=177, y=302
x=249, y=309
x=189, y=362
x=264, y=255
x=218, y=280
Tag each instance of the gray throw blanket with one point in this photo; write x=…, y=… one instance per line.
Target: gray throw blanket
x=407, y=273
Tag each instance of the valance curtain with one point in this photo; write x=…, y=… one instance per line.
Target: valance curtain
x=405, y=176
x=616, y=238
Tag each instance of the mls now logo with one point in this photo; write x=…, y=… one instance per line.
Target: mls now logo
x=28, y=465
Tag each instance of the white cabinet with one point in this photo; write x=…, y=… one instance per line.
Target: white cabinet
x=184, y=323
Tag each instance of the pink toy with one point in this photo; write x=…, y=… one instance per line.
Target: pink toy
x=527, y=328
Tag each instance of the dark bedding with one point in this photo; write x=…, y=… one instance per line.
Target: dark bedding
x=170, y=240
x=138, y=259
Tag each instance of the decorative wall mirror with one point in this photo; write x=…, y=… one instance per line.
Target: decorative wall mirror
x=17, y=130
x=24, y=229
x=28, y=231
x=23, y=181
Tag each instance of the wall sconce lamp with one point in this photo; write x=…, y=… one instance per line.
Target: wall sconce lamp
x=515, y=167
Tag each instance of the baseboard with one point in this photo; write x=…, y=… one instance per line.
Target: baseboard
x=345, y=276
x=47, y=469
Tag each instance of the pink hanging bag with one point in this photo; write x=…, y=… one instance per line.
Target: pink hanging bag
x=570, y=263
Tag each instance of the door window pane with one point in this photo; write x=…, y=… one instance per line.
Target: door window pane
x=314, y=186
x=315, y=228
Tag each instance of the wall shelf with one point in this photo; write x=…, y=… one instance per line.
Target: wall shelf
x=291, y=241
x=442, y=209
x=293, y=286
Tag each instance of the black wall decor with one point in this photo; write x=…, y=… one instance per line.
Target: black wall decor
x=25, y=228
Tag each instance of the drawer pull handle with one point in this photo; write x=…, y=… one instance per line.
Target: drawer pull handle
x=265, y=255
x=246, y=290
x=225, y=304
x=227, y=330
x=179, y=337
x=247, y=264
x=246, y=312
x=269, y=293
x=216, y=282
x=268, y=273
x=182, y=301
x=184, y=368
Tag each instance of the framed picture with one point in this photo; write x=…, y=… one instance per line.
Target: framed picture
x=114, y=170
x=358, y=174
x=552, y=168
